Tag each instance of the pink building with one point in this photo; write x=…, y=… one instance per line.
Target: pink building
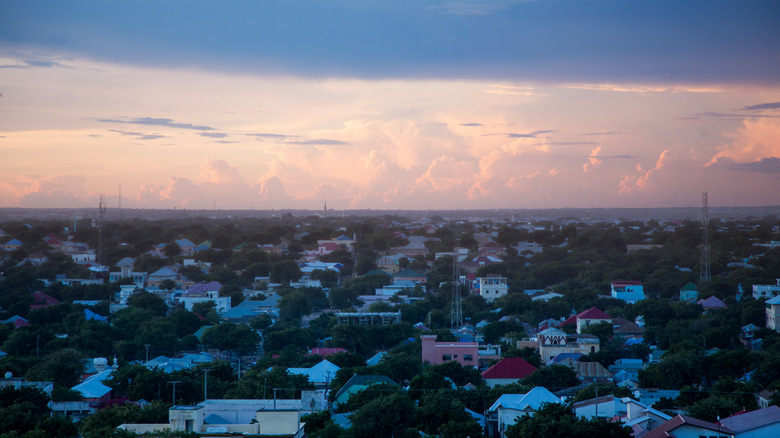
x=436, y=353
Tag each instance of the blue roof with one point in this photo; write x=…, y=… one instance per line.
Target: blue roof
x=90, y=315
x=93, y=387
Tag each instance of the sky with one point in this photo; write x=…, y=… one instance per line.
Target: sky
x=403, y=104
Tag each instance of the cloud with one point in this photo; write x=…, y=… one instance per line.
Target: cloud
x=571, y=143
x=629, y=183
x=471, y=124
x=593, y=160
x=213, y=134
x=534, y=134
x=265, y=135
x=476, y=7
x=602, y=133
x=319, y=142
x=762, y=106
x=151, y=121
x=753, y=141
x=57, y=191
x=139, y=135
x=30, y=63
x=770, y=165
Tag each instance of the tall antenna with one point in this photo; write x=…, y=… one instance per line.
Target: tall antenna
x=101, y=213
x=704, y=264
x=456, y=313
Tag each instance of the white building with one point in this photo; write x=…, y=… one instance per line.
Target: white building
x=766, y=291
x=491, y=287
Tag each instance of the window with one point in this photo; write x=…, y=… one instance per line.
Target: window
x=456, y=356
x=468, y=357
x=446, y=357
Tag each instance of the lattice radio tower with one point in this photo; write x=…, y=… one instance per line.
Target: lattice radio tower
x=456, y=313
x=705, y=274
x=101, y=245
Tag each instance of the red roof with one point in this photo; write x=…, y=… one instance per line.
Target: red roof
x=593, y=313
x=509, y=368
x=42, y=300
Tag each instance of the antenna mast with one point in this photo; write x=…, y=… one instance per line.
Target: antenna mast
x=456, y=313
x=704, y=264
x=101, y=213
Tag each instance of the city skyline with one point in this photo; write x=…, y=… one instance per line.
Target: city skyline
x=407, y=105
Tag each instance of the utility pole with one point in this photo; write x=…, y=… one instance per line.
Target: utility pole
x=147, y=353
x=174, y=382
x=206, y=384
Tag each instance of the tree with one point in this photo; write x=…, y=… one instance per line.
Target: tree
x=553, y=377
x=555, y=420
x=62, y=367
x=171, y=249
x=150, y=302
x=231, y=337
x=385, y=417
x=285, y=271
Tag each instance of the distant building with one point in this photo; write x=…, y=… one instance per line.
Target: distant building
x=766, y=291
x=436, y=353
x=368, y=318
x=628, y=291
x=491, y=287
x=553, y=342
x=689, y=293
x=773, y=313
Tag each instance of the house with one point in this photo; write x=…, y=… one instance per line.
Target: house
x=162, y=274
x=553, y=342
x=683, y=426
x=368, y=318
x=491, y=287
x=12, y=245
x=712, y=303
x=398, y=287
x=389, y=263
x=766, y=291
x=36, y=259
x=326, y=248
x=43, y=301
x=409, y=275
x=250, y=309
x=587, y=318
x=507, y=370
x=761, y=423
x=641, y=418
x=436, y=353
x=17, y=322
x=83, y=258
x=320, y=374
x=358, y=383
x=628, y=291
x=624, y=328
x=186, y=246
x=505, y=411
x=689, y=293
x=592, y=372
x=267, y=420
x=772, y=313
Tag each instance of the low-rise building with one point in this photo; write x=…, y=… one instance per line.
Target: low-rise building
x=491, y=287
x=436, y=353
x=628, y=291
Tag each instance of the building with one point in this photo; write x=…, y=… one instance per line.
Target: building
x=766, y=291
x=689, y=293
x=506, y=371
x=628, y=291
x=773, y=313
x=683, y=426
x=553, y=342
x=510, y=407
x=587, y=318
x=436, y=353
x=491, y=287
x=761, y=423
x=368, y=318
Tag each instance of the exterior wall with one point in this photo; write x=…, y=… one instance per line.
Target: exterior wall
x=278, y=422
x=492, y=288
x=690, y=431
x=583, y=323
x=772, y=315
x=766, y=290
x=222, y=303
x=629, y=292
x=436, y=353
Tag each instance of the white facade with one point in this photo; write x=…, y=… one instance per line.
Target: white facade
x=766, y=291
x=492, y=287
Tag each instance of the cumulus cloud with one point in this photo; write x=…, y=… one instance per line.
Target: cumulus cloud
x=58, y=191
x=769, y=165
x=753, y=141
x=593, y=160
x=629, y=183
